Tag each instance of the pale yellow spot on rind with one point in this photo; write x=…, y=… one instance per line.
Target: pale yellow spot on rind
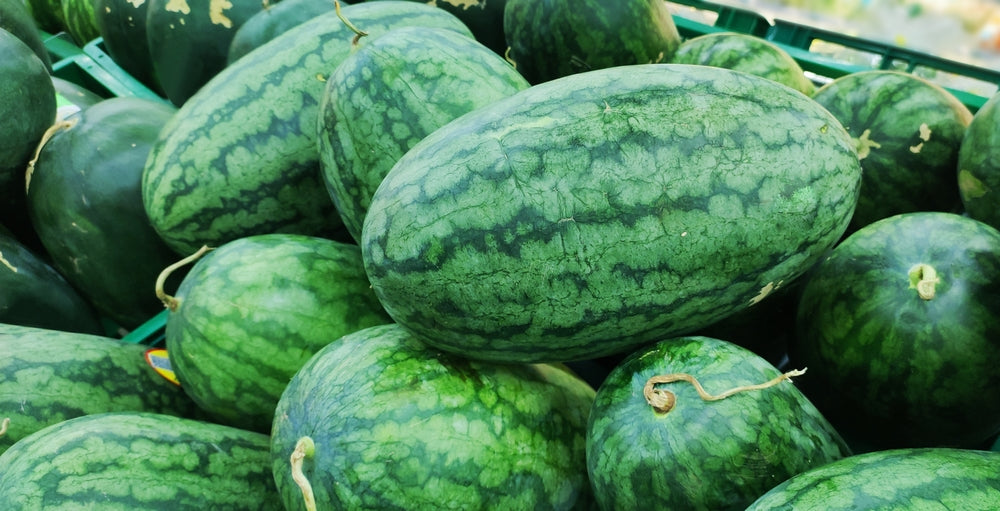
x=217, y=15
x=764, y=292
x=865, y=144
x=180, y=6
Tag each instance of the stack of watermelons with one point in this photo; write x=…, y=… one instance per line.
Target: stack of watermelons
x=507, y=255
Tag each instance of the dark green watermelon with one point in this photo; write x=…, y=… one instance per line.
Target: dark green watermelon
x=900, y=479
x=483, y=17
x=747, y=53
x=48, y=14
x=33, y=293
x=899, y=329
x=549, y=39
x=48, y=376
x=188, y=41
x=27, y=109
x=15, y=17
x=378, y=420
x=239, y=158
x=601, y=211
x=698, y=452
x=250, y=313
x=979, y=164
x=85, y=202
x=125, y=461
x=908, y=131
x=391, y=93
x=122, y=25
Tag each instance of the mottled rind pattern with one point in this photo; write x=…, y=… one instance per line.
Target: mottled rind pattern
x=398, y=425
x=908, y=131
x=254, y=310
x=47, y=376
x=915, y=478
x=701, y=455
x=747, y=53
x=594, y=213
x=239, y=157
x=889, y=368
x=127, y=461
x=388, y=95
x=979, y=164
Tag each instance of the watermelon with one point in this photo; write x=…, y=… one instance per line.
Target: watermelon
x=272, y=21
x=48, y=14
x=16, y=19
x=908, y=131
x=747, y=53
x=979, y=164
x=250, y=313
x=138, y=460
x=85, y=202
x=899, y=329
x=700, y=423
x=188, y=41
x=548, y=39
x=81, y=20
x=122, y=25
x=27, y=109
x=72, y=97
x=239, y=158
x=391, y=93
x=33, y=293
x=594, y=213
x=483, y=17
x=378, y=420
x=911, y=478
x=48, y=376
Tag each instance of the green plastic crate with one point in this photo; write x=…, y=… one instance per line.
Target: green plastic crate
x=92, y=68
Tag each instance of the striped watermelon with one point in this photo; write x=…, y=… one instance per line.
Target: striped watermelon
x=604, y=210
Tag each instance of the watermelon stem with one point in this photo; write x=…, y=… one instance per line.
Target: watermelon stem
x=358, y=33
x=171, y=302
x=49, y=133
x=4, y=425
x=663, y=400
x=303, y=448
x=924, y=278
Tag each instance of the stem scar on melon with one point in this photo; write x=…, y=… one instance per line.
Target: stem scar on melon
x=7, y=263
x=924, y=278
x=304, y=448
x=171, y=302
x=49, y=133
x=663, y=400
x=358, y=34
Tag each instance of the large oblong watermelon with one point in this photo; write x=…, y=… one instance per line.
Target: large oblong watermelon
x=594, y=213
